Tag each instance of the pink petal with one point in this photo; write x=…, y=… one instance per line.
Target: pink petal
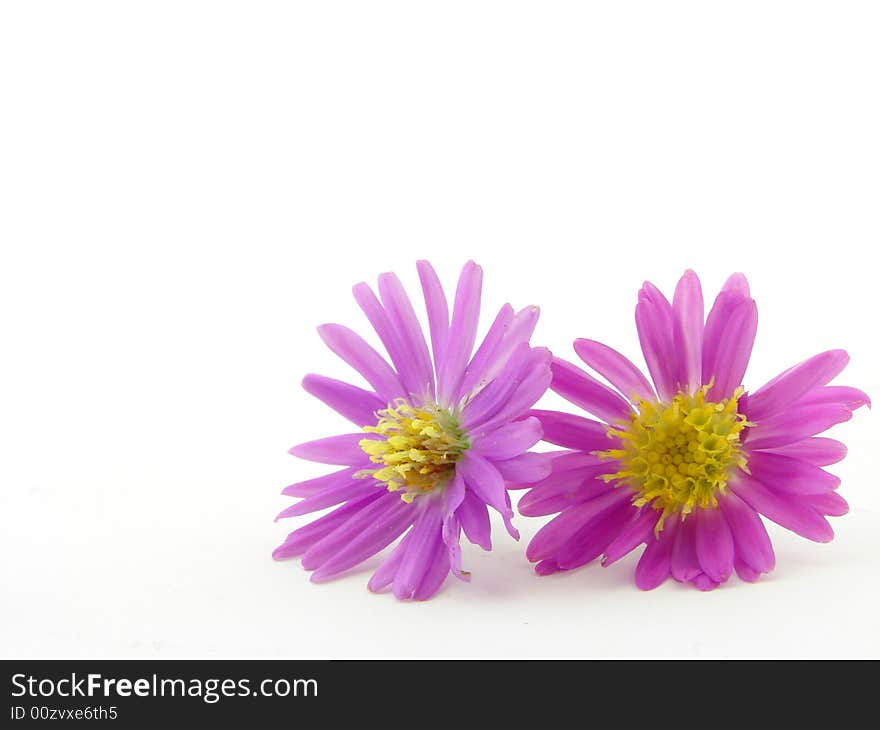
x=403, y=318
x=793, y=425
x=510, y=440
x=342, y=450
x=474, y=519
x=425, y=540
x=586, y=392
x=363, y=358
x=687, y=328
x=474, y=374
x=555, y=533
x=654, y=325
x=714, y=544
x=795, y=382
x=840, y=395
x=384, y=575
x=734, y=351
x=616, y=369
x=574, y=432
x=817, y=450
x=303, y=538
x=437, y=308
x=462, y=332
x=356, y=404
x=318, y=484
x=793, y=513
x=524, y=470
x=830, y=503
x=732, y=294
x=750, y=537
x=485, y=481
x=684, y=563
x=654, y=565
x=637, y=531
x=793, y=476
x=564, y=490
x=365, y=533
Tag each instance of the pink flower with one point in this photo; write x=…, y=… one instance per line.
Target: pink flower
x=687, y=465
x=432, y=452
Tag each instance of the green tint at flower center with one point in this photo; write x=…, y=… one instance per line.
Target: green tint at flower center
x=677, y=456
x=418, y=448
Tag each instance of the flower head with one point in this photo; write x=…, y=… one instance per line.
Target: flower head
x=686, y=464
x=441, y=438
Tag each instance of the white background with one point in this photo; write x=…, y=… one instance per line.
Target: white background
x=188, y=189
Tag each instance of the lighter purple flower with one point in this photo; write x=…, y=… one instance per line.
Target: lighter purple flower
x=688, y=464
x=441, y=438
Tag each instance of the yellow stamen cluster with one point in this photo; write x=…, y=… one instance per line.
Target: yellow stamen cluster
x=418, y=449
x=677, y=456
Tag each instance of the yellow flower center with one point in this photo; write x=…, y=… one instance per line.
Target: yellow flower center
x=677, y=456
x=418, y=449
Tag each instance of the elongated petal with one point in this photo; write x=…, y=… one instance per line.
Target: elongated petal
x=654, y=325
x=714, y=544
x=530, y=386
x=510, y=440
x=654, y=565
x=453, y=496
x=564, y=490
x=343, y=450
x=474, y=519
x=616, y=369
x=554, y=534
x=300, y=540
x=687, y=329
x=817, y=450
x=485, y=480
x=390, y=336
x=403, y=318
x=462, y=332
x=733, y=293
x=319, y=484
x=476, y=370
x=745, y=571
x=750, y=537
x=586, y=392
x=363, y=358
x=352, y=489
x=356, y=404
x=574, y=432
x=795, y=382
x=734, y=351
x=829, y=503
x=384, y=575
x=684, y=563
x=367, y=541
x=376, y=520
x=793, y=513
x=589, y=542
x=840, y=395
x=489, y=401
x=424, y=540
x=520, y=331
x=437, y=309
x=783, y=473
x=639, y=530
x=793, y=425
x=524, y=470
x=436, y=570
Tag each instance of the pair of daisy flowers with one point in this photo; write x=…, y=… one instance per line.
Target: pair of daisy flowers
x=686, y=462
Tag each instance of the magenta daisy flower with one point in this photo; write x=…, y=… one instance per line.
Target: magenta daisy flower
x=440, y=439
x=689, y=464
